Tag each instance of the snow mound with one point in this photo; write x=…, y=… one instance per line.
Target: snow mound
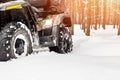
x=100, y=43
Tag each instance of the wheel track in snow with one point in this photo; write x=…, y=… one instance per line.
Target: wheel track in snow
x=77, y=44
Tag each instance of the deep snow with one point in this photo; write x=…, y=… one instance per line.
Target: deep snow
x=94, y=58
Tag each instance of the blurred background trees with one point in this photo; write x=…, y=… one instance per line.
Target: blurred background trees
x=94, y=13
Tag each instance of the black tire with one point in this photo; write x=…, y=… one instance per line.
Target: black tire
x=65, y=44
x=15, y=41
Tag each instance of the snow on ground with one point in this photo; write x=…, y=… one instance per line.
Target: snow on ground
x=94, y=58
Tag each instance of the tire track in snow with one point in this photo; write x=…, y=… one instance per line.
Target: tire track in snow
x=77, y=44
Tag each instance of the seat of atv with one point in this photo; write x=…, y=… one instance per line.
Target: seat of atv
x=42, y=12
x=39, y=12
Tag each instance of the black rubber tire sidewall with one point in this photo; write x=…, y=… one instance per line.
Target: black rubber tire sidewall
x=6, y=36
x=58, y=48
x=16, y=33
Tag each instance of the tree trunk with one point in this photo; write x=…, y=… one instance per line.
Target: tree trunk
x=104, y=14
x=88, y=18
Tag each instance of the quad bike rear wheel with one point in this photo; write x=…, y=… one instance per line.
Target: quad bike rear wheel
x=15, y=41
x=64, y=42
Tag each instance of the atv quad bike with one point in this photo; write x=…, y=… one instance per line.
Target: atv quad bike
x=25, y=25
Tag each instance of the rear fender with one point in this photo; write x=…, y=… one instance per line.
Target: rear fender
x=67, y=21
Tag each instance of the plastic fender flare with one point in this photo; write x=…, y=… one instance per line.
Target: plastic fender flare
x=67, y=21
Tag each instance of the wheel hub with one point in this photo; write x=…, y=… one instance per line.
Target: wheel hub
x=20, y=46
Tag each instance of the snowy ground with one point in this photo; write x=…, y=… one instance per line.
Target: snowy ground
x=94, y=58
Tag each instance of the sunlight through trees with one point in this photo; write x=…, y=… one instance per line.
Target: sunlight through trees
x=93, y=13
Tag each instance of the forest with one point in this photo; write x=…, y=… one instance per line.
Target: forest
x=94, y=13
